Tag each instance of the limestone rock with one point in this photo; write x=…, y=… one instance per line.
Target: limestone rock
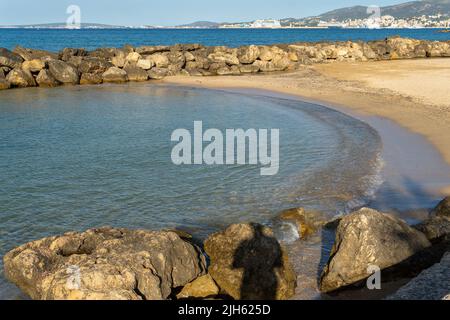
x=202, y=287
x=63, y=72
x=91, y=78
x=103, y=264
x=114, y=74
x=20, y=78
x=10, y=59
x=369, y=238
x=67, y=53
x=227, y=58
x=136, y=74
x=33, y=54
x=249, y=68
x=133, y=57
x=145, y=64
x=145, y=50
x=443, y=209
x=159, y=60
x=45, y=79
x=3, y=83
x=248, y=55
x=308, y=222
x=34, y=65
x=94, y=65
x=157, y=73
x=118, y=60
x=265, y=66
x=247, y=262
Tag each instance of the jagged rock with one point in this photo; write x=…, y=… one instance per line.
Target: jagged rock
x=157, y=73
x=202, y=287
x=67, y=53
x=10, y=59
x=159, y=60
x=103, y=264
x=224, y=57
x=91, y=78
x=114, y=74
x=3, y=83
x=118, y=60
x=369, y=238
x=45, y=79
x=33, y=54
x=265, y=66
x=431, y=284
x=442, y=209
x=145, y=50
x=104, y=53
x=94, y=65
x=189, y=56
x=136, y=74
x=34, y=65
x=437, y=226
x=19, y=78
x=248, y=55
x=177, y=59
x=247, y=262
x=249, y=68
x=145, y=64
x=281, y=62
x=63, y=72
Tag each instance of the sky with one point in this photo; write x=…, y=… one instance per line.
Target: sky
x=168, y=12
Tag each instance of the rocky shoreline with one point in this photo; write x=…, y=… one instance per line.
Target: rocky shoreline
x=243, y=262
x=25, y=67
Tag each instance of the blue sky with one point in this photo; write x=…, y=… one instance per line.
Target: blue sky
x=167, y=12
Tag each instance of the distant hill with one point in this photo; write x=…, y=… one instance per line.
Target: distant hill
x=62, y=25
x=200, y=24
x=404, y=10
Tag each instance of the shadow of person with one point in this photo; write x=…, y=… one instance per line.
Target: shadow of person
x=259, y=258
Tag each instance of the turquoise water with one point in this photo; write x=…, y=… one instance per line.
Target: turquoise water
x=73, y=158
x=90, y=39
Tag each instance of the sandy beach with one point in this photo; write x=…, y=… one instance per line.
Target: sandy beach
x=412, y=93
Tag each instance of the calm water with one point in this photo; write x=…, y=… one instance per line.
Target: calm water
x=90, y=39
x=73, y=158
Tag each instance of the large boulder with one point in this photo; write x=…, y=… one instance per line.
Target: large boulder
x=247, y=262
x=114, y=74
x=369, y=238
x=103, y=264
x=201, y=288
x=437, y=226
x=248, y=54
x=157, y=73
x=431, y=284
x=94, y=65
x=159, y=60
x=34, y=65
x=228, y=58
x=20, y=78
x=136, y=74
x=442, y=209
x=45, y=79
x=144, y=50
x=91, y=78
x=3, y=83
x=10, y=59
x=63, y=72
x=33, y=54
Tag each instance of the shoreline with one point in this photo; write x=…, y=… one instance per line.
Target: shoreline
x=345, y=97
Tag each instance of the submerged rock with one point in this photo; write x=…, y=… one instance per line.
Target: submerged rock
x=431, y=284
x=369, y=238
x=307, y=222
x=247, y=262
x=104, y=263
